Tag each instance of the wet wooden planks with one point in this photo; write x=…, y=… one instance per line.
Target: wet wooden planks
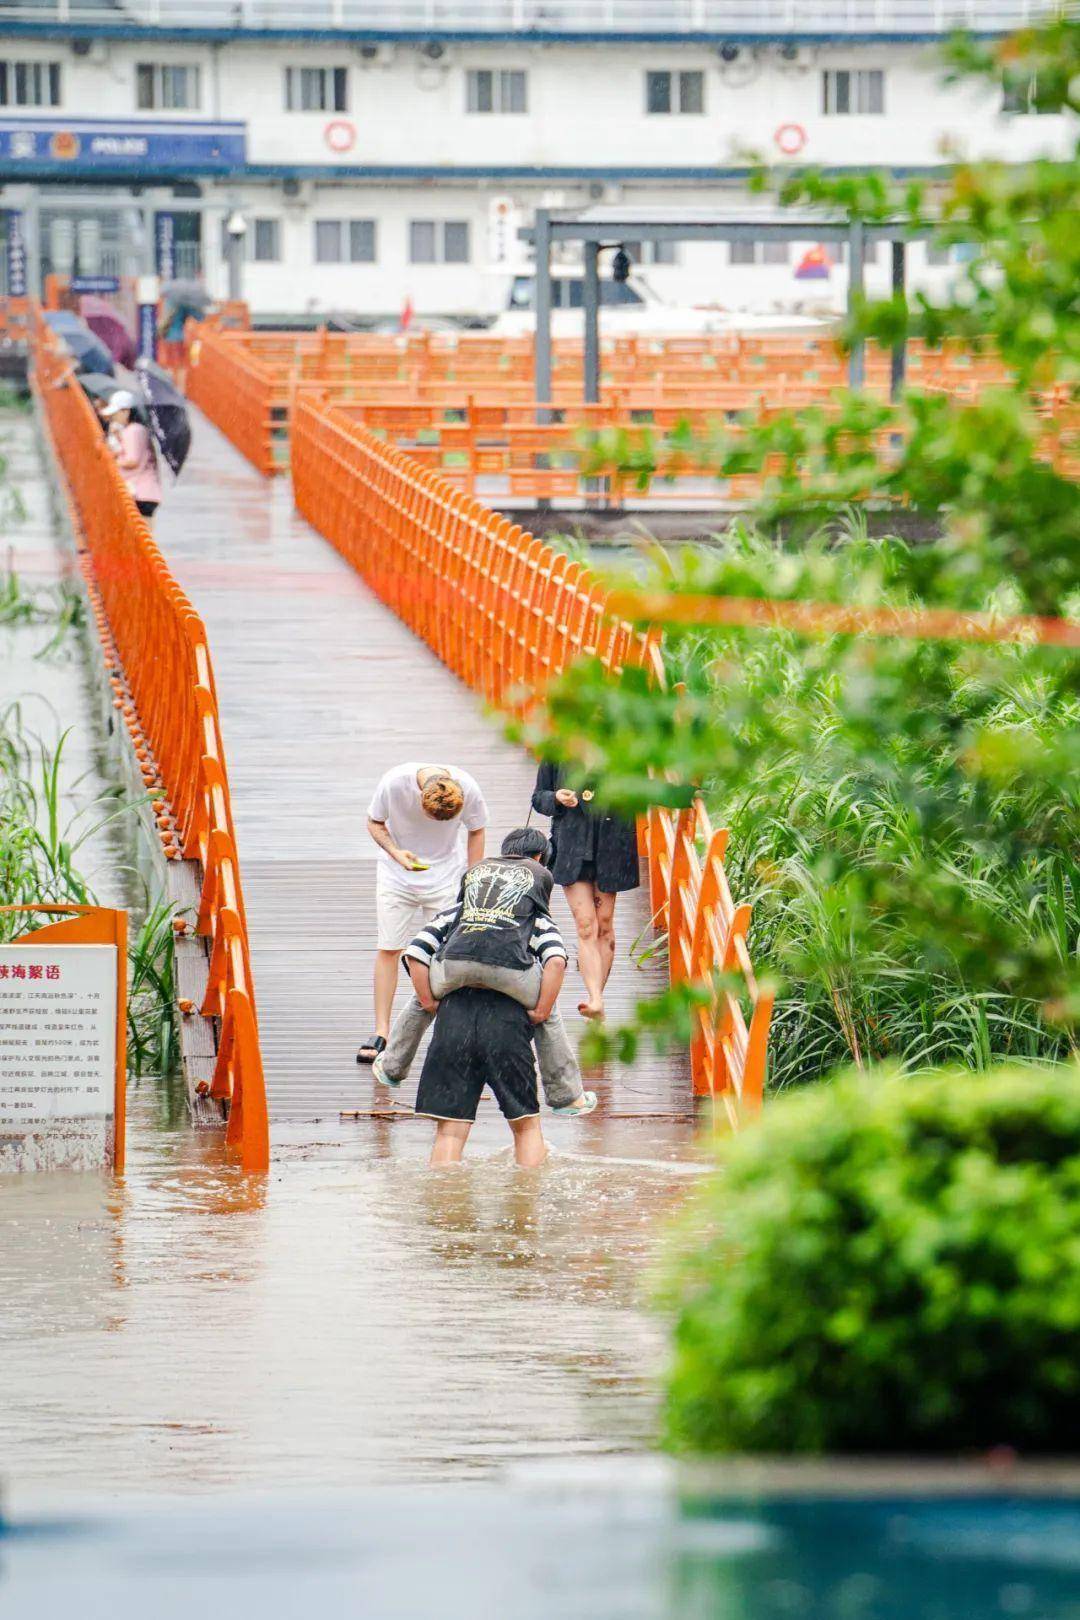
x=321, y=689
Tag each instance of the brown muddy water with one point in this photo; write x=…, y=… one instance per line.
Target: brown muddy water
x=351, y=1317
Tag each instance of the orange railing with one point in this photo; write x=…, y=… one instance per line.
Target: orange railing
x=243, y=397
x=155, y=650
x=14, y=315
x=507, y=613
x=463, y=404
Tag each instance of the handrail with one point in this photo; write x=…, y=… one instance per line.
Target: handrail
x=159, y=662
x=507, y=614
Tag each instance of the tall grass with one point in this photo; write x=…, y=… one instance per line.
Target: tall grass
x=903, y=819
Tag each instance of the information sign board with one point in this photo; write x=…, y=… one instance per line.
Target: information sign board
x=62, y=1019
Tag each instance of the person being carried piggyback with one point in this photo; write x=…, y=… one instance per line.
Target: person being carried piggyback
x=428, y=821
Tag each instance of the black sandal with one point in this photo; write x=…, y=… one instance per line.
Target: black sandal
x=373, y=1047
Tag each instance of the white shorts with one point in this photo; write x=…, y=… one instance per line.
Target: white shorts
x=400, y=916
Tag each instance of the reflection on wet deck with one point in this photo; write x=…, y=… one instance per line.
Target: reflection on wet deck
x=349, y=1318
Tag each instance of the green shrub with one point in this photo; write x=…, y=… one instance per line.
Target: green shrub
x=886, y=1265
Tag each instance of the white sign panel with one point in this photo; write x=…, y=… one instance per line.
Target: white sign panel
x=505, y=249
x=57, y=1035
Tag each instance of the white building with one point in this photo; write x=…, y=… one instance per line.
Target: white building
x=381, y=152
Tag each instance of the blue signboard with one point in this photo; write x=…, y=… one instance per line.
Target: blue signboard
x=85, y=144
x=165, y=245
x=16, y=255
x=147, y=331
x=94, y=284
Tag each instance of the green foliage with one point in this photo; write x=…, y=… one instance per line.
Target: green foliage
x=886, y=1266
x=39, y=863
x=903, y=813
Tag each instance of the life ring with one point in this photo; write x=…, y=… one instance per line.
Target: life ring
x=340, y=135
x=790, y=138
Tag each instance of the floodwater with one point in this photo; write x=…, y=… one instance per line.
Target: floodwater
x=349, y=1318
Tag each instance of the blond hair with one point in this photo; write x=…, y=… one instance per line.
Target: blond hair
x=442, y=798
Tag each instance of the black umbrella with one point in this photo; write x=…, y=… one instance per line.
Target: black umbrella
x=167, y=414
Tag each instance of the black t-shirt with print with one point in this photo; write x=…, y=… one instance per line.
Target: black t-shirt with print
x=500, y=903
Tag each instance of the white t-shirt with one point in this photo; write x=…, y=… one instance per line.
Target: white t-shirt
x=396, y=801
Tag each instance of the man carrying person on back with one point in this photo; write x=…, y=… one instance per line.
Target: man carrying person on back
x=416, y=817
x=499, y=936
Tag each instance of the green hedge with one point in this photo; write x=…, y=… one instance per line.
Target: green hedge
x=886, y=1265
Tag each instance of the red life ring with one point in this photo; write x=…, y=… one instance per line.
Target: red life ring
x=340, y=135
x=790, y=138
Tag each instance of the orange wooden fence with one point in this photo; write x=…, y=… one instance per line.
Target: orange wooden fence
x=463, y=404
x=159, y=664
x=507, y=613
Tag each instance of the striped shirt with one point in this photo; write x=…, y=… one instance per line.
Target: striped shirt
x=544, y=941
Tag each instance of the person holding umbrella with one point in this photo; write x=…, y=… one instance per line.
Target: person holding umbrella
x=131, y=444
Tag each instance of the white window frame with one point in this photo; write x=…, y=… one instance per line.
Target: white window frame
x=678, y=83
x=860, y=88
x=440, y=229
x=744, y=255
x=162, y=85
x=44, y=78
x=495, y=91
x=333, y=93
x=251, y=239
x=346, y=241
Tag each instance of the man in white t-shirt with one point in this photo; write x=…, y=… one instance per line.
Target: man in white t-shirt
x=416, y=816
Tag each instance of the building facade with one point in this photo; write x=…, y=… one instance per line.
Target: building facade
x=373, y=165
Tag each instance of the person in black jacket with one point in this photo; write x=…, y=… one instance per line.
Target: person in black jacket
x=594, y=857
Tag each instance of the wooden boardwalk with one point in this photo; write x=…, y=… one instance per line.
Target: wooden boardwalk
x=321, y=689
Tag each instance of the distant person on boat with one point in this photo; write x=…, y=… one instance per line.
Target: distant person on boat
x=133, y=448
x=417, y=816
x=499, y=935
x=595, y=858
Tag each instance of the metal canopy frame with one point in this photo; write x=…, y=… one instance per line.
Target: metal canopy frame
x=601, y=229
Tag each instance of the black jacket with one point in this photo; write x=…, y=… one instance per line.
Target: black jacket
x=578, y=836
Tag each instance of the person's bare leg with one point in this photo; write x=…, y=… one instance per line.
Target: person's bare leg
x=530, y=1149
x=386, y=978
x=605, y=929
x=451, y=1136
x=580, y=898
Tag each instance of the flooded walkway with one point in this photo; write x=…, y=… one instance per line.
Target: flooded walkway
x=322, y=689
x=350, y=1318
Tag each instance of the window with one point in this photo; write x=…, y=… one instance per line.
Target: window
x=29, y=84
x=859, y=91
x=1022, y=96
x=760, y=252
x=439, y=241
x=262, y=241
x=316, y=89
x=502, y=91
x=675, y=92
x=161, y=85
x=839, y=252
x=265, y=236
x=344, y=241
x=652, y=252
